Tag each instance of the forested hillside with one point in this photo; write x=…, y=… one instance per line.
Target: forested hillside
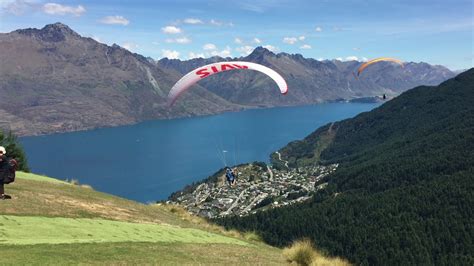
x=403, y=192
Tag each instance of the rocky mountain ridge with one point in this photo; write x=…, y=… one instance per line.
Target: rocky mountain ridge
x=54, y=80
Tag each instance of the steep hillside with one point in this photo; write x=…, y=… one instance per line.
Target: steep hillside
x=403, y=192
x=53, y=222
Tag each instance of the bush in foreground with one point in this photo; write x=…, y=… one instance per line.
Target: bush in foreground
x=252, y=236
x=302, y=252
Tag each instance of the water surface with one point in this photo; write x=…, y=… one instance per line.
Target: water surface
x=148, y=161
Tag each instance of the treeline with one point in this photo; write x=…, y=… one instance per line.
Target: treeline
x=403, y=192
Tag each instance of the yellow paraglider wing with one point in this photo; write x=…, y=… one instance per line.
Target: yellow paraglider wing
x=376, y=60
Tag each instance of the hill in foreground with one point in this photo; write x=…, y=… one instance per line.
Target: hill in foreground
x=403, y=192
x=50, y=221
x=54, y=222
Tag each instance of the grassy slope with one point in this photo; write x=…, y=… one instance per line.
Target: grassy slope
x=139, y=254
x=50, y=221
x=28, y=230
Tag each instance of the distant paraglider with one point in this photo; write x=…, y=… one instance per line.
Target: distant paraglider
x=230, y=176
x=205, y=71
x=376, y=60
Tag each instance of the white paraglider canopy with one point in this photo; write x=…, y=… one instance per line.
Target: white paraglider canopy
x=205, y=71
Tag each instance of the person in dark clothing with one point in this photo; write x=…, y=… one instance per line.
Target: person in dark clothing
x=4, y=168
x=229, y=174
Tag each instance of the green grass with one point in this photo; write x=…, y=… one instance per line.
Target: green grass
x=28, y=230
x=35, y=195
x=29, y=176
x=49, y=221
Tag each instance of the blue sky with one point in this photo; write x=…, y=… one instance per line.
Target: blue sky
x=437, y=32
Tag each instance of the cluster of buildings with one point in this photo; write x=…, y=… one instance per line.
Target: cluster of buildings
x=256, y=189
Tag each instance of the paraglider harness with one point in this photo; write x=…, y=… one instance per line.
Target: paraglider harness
x=229, y=174
x=10, y=172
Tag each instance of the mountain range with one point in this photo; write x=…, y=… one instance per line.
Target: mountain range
x=54, y=80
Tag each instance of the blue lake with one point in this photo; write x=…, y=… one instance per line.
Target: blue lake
x=148, y=161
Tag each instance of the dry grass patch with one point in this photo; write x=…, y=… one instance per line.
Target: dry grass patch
x=252, y=236
x=302, y=252
x=136, y=253
x=325, y=261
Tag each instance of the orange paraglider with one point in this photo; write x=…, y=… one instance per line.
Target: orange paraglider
x=366, y=64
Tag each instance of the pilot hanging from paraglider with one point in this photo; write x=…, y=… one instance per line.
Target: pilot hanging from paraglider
x=205, y=71
x=230, y=176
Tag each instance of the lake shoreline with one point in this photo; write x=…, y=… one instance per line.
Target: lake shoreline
x=150, y=160
x=242, y=109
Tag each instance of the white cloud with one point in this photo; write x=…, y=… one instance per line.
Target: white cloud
x=57, y=9
x=220, y=23
x=352, y=58
x=215, y=22
x=192, y=55
x=290, y=40
x=238, y=41
x=119, y=20
x=244, y=50
x=170, y=54
x=356, y=49
x=183, y=40
x=171, y=30
x=130, y=46
x=224, y=53
x=180, y=40
x=193, y=21
x=364, y=59
x=305, y=46
x=301, y=38
x=17, y=7
x=209, y=46
x=319, y=29
x=320, y=59
x=271, y=48
x=257, y=40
